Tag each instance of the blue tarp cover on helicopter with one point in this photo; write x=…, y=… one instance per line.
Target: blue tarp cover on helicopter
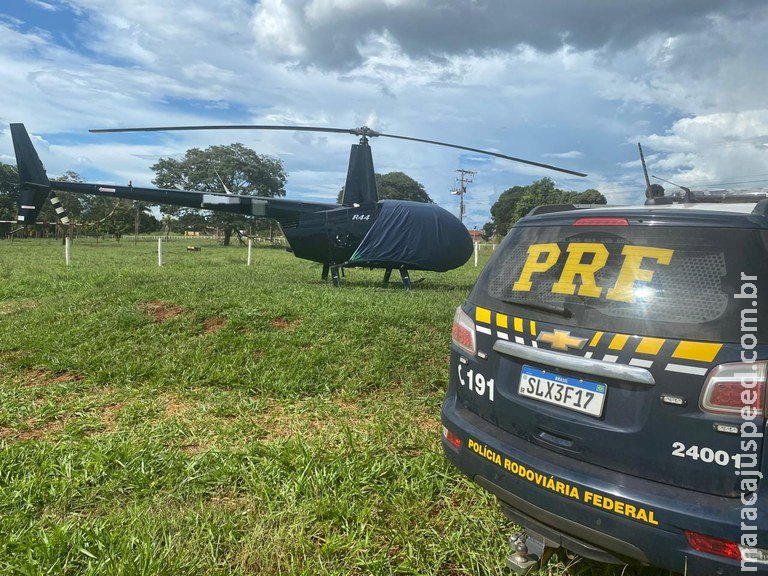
x=414, y=235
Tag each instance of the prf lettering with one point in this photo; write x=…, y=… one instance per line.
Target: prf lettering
x=584, y=259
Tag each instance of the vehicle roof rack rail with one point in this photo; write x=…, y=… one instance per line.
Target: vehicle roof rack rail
x=550, y=208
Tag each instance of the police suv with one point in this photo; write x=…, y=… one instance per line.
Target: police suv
x=608, y=383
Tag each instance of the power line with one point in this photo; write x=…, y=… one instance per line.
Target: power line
x=710, y=184
x=750, y=141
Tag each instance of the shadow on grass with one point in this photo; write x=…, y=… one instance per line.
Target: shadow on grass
x=566, y=564
x=420, y=284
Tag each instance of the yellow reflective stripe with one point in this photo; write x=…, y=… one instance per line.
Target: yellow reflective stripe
x=533, y=328
x=518, y=324
x=618, y=341
x=501, y=320
x=701, y=351
x=650, y=346
x=596, y=339
x=483, y=315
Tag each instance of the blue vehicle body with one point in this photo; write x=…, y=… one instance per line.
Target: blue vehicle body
x=598, y=400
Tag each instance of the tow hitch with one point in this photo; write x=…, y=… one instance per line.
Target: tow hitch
x=530, y=551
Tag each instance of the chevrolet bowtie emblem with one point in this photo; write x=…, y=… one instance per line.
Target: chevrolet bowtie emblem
x=561, y=340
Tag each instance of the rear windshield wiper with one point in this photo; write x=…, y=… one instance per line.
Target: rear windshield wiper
x=552, y=308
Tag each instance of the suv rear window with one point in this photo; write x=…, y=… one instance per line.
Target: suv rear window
x=667, y=281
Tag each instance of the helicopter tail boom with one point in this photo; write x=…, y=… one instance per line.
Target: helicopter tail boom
x=36, y=187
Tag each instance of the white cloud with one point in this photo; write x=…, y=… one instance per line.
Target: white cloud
x=712, y=149
x=329, y=33
x=569, y=154
x=48, y=6
x=276, y=29
x=679, y=74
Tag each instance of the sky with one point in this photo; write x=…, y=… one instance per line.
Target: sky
x=575, y=83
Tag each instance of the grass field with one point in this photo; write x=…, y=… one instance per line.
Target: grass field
x=211, y=418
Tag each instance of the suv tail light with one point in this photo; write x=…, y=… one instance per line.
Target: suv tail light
x=726, y=548
x=712, y=545
x=731, y=387
x=464, y=332
x=452, y=439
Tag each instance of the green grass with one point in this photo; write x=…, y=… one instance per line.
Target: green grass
x=211, y=418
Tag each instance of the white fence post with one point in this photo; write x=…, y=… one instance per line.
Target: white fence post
x=477, y=249
x=66, y=250
x=160, y=251
x=250, y=246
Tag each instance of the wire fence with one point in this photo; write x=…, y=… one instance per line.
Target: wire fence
x=11, y=234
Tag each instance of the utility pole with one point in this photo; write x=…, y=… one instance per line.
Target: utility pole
x=464, y=178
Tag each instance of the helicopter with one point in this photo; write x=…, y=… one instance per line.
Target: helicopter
x=362, y=231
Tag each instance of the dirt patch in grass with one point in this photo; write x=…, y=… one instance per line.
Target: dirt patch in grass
x=13, y=354
x=192, y=449
x=13, y=306
x=161, y=311
x=108, y=416
x=429, y=425
x=38, y=377
x=33, y=431
x=280, y=423
x=175, y=406
x=234, y=502
x=214, y=324
x=281, y=323
x=46, y=429
x=308, y=418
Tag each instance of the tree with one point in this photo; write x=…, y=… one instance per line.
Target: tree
x=9, y=191
x=240, y=169
x=192, y=221
x=592, y=196
x=397, y=186
x=504, y=208
x=489, y=230
x=518, y=201
x=400, y=186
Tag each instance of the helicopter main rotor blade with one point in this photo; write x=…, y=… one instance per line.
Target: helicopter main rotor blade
x=363, y=131
x=228, y=127
x=487, y=152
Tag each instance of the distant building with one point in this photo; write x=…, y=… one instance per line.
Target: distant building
x=477, y=236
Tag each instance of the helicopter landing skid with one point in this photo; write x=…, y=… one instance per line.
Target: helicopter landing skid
x=335, y=276
x=405, y=277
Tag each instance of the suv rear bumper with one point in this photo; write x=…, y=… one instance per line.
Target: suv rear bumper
x=548, y=491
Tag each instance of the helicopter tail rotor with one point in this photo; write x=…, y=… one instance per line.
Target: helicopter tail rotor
x=35, y=186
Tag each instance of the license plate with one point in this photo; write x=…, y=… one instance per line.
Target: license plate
x=566, y=391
